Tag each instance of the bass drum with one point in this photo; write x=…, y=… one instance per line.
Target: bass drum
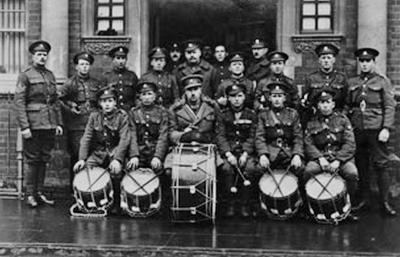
x=193, y=183
x=279, y=194
x=328, y=200
x=140, y=193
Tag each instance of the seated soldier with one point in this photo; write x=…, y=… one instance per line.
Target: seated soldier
x=235, y=141
x=330, y=144
x=106, y=140
x=193, y=118
x=279, y=135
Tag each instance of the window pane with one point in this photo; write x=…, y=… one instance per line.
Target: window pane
x=103, y=1
x=309, y=9
x=324, y=9
x=117, y=11
x=118, y=25
x=118, y=1
x=324, y=23
x=103, y=25
x=104, y=11
x=308, y=24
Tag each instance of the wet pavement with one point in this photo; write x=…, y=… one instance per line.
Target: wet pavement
x=50, y=231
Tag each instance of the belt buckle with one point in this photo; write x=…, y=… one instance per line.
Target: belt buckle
x=279, y=142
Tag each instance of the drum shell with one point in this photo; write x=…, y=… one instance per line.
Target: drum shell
x=193, y=183
x=141, y=206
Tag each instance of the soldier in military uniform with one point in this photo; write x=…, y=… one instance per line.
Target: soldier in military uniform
x=193, y=118
x=220, y=63
x=106, y=140
x=78, y=96
x=371, y=108
x=235, y=142
x=329, y=143
x=122, y=79
x=236, y=68
x=258, y=68
x=279, y=135
x=167, y=88
x=325, y=77
x=175, y=59
x=39, y=118
x=195, y=65
x=277, y=65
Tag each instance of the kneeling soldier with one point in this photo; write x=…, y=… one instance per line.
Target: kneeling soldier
x=235, y=141
x=106, y=140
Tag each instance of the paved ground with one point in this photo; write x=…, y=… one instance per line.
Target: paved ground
x=50, y=231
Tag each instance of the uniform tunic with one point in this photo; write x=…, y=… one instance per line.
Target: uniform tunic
x=250, y=87
x=223, y=72
x=258, y=69
x=124, y=81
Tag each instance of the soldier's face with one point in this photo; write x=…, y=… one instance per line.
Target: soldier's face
x=158, y=64
x=366, y=65
x=108, y=105
x=327, y=61
x=83, y=67
x=277, y=67
x=193, y=56
x=193, y=94
x=326, y=106
x=147, y=98
x=237, y=68
x=175, y=55
x=39, y=58
x=119, y=61
x=237, y=100
x=277, y=99
x=259, y=52
x=220, y=53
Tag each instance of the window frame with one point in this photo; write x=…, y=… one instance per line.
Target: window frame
x=316, y=16
x=110, y=18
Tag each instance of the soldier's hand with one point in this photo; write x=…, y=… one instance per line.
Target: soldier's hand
x=79, y=165
x=115, y=167
x=59, y=131
x=243, y=159
x=334, y=166
x=296, y=162
x=187, y=130
x=232, y=160
x=133, y=163
x=384, y=135
x=155, y=163
x=323, y=162
x=264, y=161
x=222, y=100
x=26, y=133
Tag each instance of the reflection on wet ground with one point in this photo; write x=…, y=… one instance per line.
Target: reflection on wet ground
x=20, y=225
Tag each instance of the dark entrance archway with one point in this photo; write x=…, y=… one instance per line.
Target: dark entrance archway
x=234, y=23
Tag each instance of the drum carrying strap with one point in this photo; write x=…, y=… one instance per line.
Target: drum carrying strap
x=278, y=122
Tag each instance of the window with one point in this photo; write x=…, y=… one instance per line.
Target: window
x=110, y=17
x=316, y=16
x=12, y=36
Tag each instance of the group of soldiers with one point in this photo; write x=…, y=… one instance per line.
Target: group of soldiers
x=250, y=110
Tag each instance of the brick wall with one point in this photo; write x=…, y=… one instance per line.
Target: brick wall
x=393, y=53
x=75, y=34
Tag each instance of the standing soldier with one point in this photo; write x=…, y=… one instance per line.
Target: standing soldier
x=235, y=141
x=330, y=144
x=277, y=65
x=175, y=59
x=258, y=68
x=326, y=77
x=371, y=111
x=236, y=68
x=167, y=88
x=39, y=117
x=122, y=79
x=78, y=96
x=194, y=64
x=106, y=140
x=221, y=64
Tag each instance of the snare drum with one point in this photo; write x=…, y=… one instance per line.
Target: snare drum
x=279, y=196
x=328, y=200
x=140, y=193
x=93, y=189
x=193, y=183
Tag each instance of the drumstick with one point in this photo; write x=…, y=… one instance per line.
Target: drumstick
x=246, y=182
x=274, y=179
x=234, y=188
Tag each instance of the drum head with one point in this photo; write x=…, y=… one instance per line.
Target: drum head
x=288, y=184
x=91, y=180
x=140, y=182
x=315, y=186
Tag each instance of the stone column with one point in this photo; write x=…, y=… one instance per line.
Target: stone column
x=55, y=31
x=372, y=28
